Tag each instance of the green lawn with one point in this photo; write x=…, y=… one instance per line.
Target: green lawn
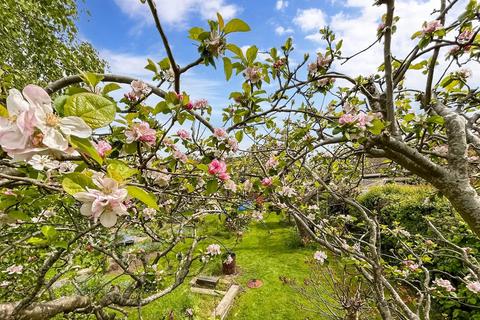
x=268, y=250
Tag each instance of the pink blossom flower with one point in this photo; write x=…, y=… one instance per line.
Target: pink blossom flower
x=465, y=36
x=224, y=176
x=220, y=133
x=230, y=185
x=233, y=144
x=140, y=88
x=217, y=167
x=320, y=256
x=179, y=155
x=346, y=118
x=214, y=250
x=253, y=74
x=432, y=26
x=266, y=182
x=141, y=132
x=474, y=287
x=184, y=134
x=200, y=104
x=411, y=265
x=381, y=26
x=271, y=163
x=105, y=203
x=445, y=284
x=287, y=191
x=364, y=120
x=103, y=147
x=14, y=269
x=188, y=106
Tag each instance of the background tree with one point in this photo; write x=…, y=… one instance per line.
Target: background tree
x=40, y=43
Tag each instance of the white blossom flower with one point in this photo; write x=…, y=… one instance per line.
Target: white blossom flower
x=444, y=284
x=320, y=256
x=287, y=191
x=214, y=250
x=149, y=213
x=56, y=130
x=474, y=287
x=39, y=162
x=14, y=269
x=67, y=167
x=257, y=215
x=105, y=203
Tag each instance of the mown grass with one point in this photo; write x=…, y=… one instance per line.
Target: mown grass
x=268, y=251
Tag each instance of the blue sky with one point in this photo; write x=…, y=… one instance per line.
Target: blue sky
x=124, y=33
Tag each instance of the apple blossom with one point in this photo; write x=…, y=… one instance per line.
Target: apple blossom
x=39, y=162
x=271, y=163
x=217, y=167
x=257, y=215
x=266, y=182
x=346, y=118
x=149, y=213
x=432, y=26
x=364, y=120
x=474, y=287
x=184, y=134
x=220, y=133
x=188, y=106
x=444, y=284
x=180, y=156
x=105, y=203
x=14, y=269
x=320, y=256
x=140, y=88
x=141, y=132
x=213, y=250
x=230, y=185
x=247, y=186
x=102, y=147
x=287, y=191
x=228, y=260
x=253, y=74
x=465, y=36
x=200, y=104
x=161, y=178
x=232, y=144
x=67, y=167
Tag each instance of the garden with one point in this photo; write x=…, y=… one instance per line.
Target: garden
x=232, y=180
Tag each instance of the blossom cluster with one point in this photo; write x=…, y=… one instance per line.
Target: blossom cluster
x=32, y=127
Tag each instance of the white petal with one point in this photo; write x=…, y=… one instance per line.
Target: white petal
x=75, y=126
x=86, y=209
x=16, y=103
x=108, y=219
x=38, y=97
x=12, y=138
x=84, y=196
x=52, y=138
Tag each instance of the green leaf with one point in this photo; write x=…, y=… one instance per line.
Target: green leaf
x=221, y=23
x=212, y=186
x=236, y=25
x=227, y=67
x=95, y=110
x=252, y=54
x=165, y=64
x=85, y=146
x=235, y=49
x=194, y=32
x=92, y=78
x=37, y=241
x=119, y=170
x=59, y=104
x=110, y=87
x=152, y=66
x=18, y=215
x=239, y=136
x=377, y=126
x=49, y=232
x=189, y=187
x=76, y=182
x=144, y=196
x=202, y=167
x=436, y=119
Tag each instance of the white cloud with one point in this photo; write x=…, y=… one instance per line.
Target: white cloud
x=281, y=4
x=357, y=26
x=176, y=12
x=309, y=20
x=281, y=30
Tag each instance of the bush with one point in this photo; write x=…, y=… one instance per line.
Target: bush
x=409, y=206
